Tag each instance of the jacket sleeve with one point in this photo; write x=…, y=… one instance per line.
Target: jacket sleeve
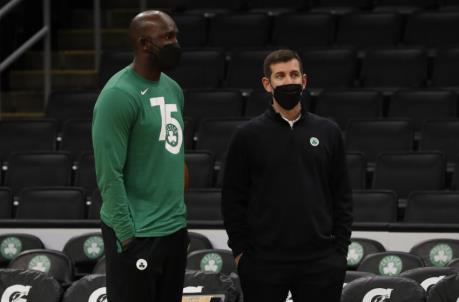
x=342, y=196
x=235, y=194
x=114, y=115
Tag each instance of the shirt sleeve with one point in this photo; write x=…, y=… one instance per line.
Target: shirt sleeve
x=342, y=196
x=114, y=115
x=235, y=194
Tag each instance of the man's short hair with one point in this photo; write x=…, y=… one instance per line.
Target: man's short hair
x=280, y=56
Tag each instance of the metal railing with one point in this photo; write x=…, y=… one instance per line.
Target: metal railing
x=43, y=33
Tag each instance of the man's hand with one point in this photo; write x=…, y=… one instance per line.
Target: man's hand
x=238, y=257
x=126, y=242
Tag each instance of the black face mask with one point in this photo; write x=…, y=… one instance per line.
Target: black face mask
x=167, y=57
x=288, y=96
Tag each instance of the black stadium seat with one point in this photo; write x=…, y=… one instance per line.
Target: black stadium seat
x=360, y=248
x=38, y=169
x=55, y=263
x=85, y=175
x=192, y=29
x=298, y=30
x=374, y=206
x=445, y=290
x=378, y=288
x=203, y=205
x=51, y=203
x=95, y=205
x=357, y=169
x=394, y=68
x=190, y=74
x=76, y=137
x=70, y=105
x=403, y=6
x=87, y=289
x=422, y=105
x=432, y=207
x=84, y=251
x=372, y=137
x=210, y=7
x=6, y=203
x=389, y=263
x=445, y=70
x=344, y=105
x=111, y=62
x=200, y=168
x=427, y=277
x=407, y=172
x=441, y=135
x=198, y=242
x=353, y=275
x=369, y=30
x=339, y=7
x=275, y=6
x=15, y=243
x=212, y=260
x=245, y=69
x=27, y=135
x=437, y=252
x=226, y=30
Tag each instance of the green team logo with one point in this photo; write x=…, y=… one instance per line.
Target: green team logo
x=212, y=262
x=441, y=254
x=40, y=263
x=354, y=254
x=390, y=266
x=93, y=247
x=172, y=135
x=10, y=247
x=314, y=141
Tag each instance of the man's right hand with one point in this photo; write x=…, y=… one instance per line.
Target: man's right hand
x=126, y=242
x=238, y=257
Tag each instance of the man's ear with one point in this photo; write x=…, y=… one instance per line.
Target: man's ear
x=305, y=81
x=267, y=84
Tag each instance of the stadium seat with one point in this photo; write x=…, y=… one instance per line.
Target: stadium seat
x=437, y=252
x=225, y=30
x=54, y=263
x=99, y=268
x=27, y=285
x=339, y=7
x=198, y=242
x=379, y=288
x=189, y=74
x=84, y=251
x=212, y=260
x=359, y=249
x=372, y=137
x=215, y=134
x=245, y=69
x=14, y=243
x=390, y=69
x=422, y=105
x=6, y=203
x=432, y=207
x=260, y=100
x=454, y=264
x=211, y=7
x=407, y=172
x=275, y=7
x=51, y=203
x=374, y=206
x=111, y=62
x=203, y=205
x=357, y=169
x=38, y=169
x=85, y=175
x=319, y=65
x=94, y=206
x=192, y=29
x=445, y=69
x=455, y=180
x=76, y=137
x=63, y=106
x=87, y=289
x=201, y=168
x=352, y=275
x=212, y=104
x=446, y=290
x=344, y=105
x=369, y=30
x=27, y=135
x=203, y=285
x=296, y=30
x=189, y=132
x=427, y=277
x=441, y=136
x=432, y=29
x=389, y=263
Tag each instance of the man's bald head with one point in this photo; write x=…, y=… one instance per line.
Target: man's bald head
x=152, y=24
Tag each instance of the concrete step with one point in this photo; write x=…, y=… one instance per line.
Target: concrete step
x=22, y=104
x=61, y=79
x=83, y=39
x=72, y=59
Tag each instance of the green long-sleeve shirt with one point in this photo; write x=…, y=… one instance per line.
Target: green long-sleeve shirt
x=137, y=135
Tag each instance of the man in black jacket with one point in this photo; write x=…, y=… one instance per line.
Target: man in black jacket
x=286, y=199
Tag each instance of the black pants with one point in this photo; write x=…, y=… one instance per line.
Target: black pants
x=149, y=270
x=308, y=281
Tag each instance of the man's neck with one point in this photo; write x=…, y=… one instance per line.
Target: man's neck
x=291, y=114
x=144, y=70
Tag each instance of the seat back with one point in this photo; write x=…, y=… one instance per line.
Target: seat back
x=389, y=263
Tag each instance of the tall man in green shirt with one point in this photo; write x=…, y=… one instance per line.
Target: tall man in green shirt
x=138, y=146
